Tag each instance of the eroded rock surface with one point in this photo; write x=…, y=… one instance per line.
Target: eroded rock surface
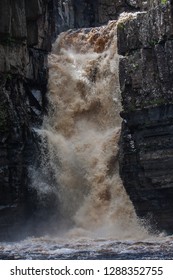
x=146, y=46
x=25, y=39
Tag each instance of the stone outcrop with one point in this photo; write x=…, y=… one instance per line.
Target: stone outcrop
x=146, y=77
x=26, y=33
x=99, y=12
x=89, y=13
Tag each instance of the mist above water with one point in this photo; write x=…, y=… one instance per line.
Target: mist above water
x=81, y=135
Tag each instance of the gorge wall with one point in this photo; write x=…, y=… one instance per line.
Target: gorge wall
x=146, y=78
x=25, y=39
x=27, y=30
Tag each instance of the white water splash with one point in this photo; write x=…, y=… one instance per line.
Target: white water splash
x=82, y=133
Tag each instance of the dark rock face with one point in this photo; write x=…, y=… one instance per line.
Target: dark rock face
x=25, y=39
x=146, y=158
x=89, y=13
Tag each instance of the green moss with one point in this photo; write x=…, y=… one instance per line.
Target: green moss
x=131, y=108
x=132, y=105
x=121, y=25
x=145, y=104
x=9, y=40
x=164, y=2
x=8, y=77
x=154, y=102
x=135, y=66
x=152, y=43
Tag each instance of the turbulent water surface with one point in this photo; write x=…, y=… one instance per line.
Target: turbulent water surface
x=80, y=139
x=57, y=248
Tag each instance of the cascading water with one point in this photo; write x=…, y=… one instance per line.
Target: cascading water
x=82, y=133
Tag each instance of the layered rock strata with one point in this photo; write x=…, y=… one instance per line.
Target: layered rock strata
x=146, y=78
x=25, y=39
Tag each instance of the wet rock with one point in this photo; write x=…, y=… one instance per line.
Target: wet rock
x=23, y=79
x=146, y=44
x=146, y=29
x=18, y=19
x=5, y=18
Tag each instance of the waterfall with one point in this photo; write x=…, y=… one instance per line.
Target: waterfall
x=81, y=134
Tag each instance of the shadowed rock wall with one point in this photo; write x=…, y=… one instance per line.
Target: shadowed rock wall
x=146, y=78
x=26, y=32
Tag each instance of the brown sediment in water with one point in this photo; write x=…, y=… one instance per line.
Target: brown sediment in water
x=83, y=129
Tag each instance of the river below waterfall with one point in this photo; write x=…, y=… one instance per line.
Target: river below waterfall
x=47, y=248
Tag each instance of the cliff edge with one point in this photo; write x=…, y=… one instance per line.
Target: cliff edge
x=146, y=78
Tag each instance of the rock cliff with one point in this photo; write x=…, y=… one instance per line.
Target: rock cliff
x=25, y=39
x=146, y=72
